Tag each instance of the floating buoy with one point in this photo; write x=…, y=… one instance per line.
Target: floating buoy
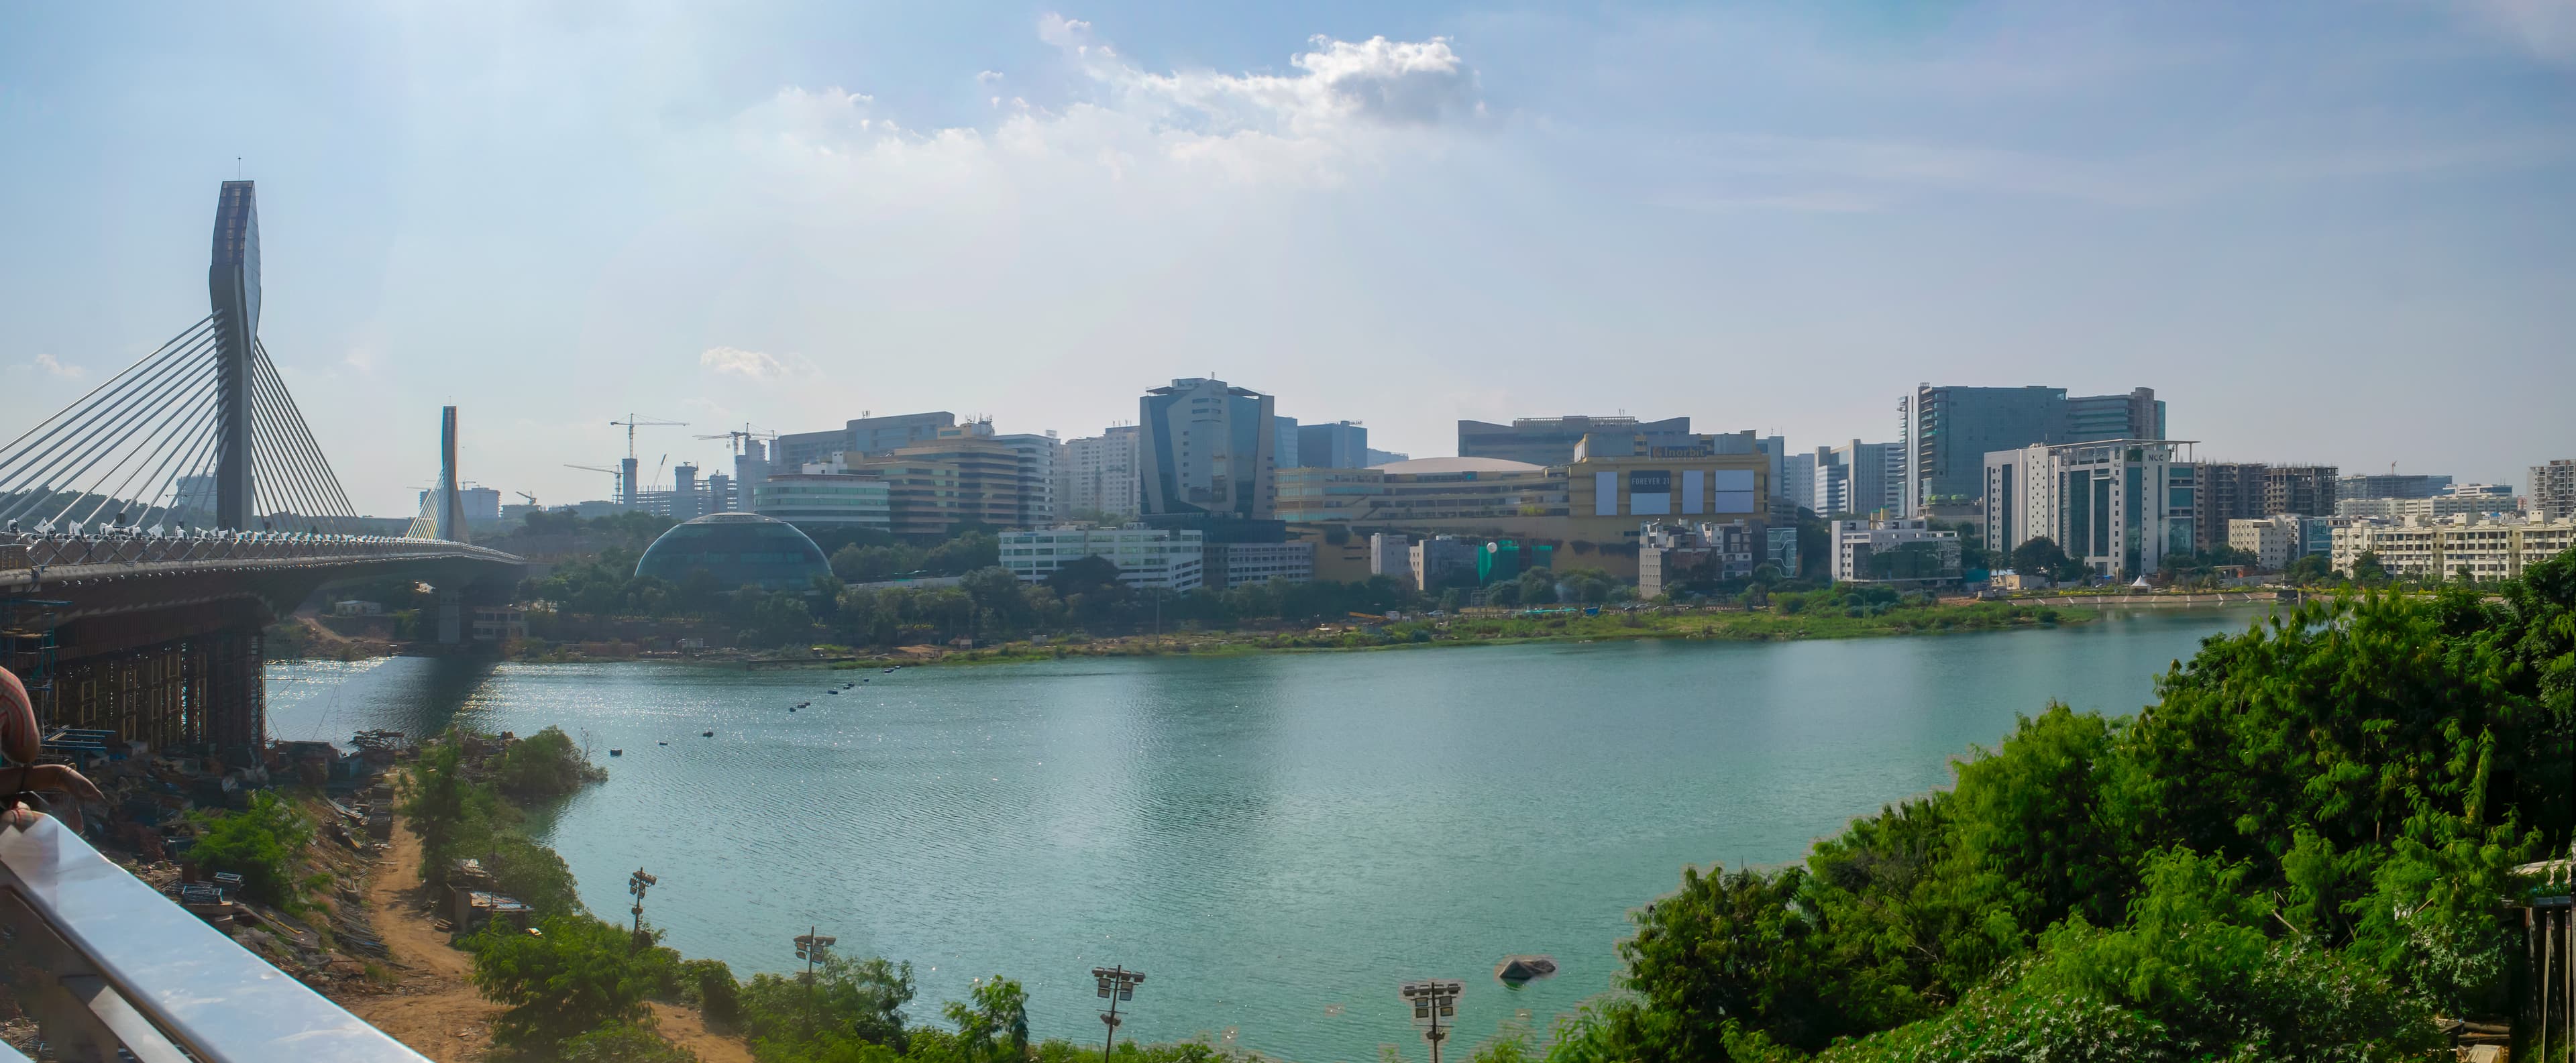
x=662, y=743
x=706, y=734
x=617, y=752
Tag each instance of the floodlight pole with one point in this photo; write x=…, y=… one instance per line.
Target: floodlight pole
x=636, y=884
x=809, y=948
x=1116, y=983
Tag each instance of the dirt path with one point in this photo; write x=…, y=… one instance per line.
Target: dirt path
x=436, y=1010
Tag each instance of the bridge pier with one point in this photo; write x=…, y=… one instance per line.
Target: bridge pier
x=451, y=614
x=208, y=689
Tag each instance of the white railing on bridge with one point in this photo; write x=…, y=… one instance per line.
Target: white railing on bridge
x=103, y=961
x=24, y=551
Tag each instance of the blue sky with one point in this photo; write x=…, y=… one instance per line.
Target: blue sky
x=2331, y=232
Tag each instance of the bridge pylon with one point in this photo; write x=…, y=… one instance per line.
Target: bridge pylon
x=232, y=283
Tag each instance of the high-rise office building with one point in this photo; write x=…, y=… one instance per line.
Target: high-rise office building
x=1859, y=479
x=1100, y=474
x=2136, y=415
x=1340, y=445
x=2118, y=506
x=1038, y=455
x=872, y=436
x=1551, y=440
x=1945, y=432
x=1207, y=449
x=1283, y=443
x=964, y=476
x=2553, y=490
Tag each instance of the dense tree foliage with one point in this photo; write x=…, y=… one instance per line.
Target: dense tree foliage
x=2294, y=853
x=457, y=815
x=574, y=975
x=546, y=764
x=264, y=844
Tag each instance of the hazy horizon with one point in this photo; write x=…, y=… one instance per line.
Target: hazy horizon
x=2324, y=233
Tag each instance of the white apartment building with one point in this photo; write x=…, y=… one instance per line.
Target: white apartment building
x=1099, y=474
x=2272, y=542
x=1919, y=554
x=1391, y=554
x=2117, y=505
x=1237, y=564
x=2464, y=500
x=1146, y=557
x=1857, y=478
x=2488, y=548
x=2553, y=489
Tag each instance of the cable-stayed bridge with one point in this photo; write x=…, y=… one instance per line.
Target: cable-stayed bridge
x=151, y=529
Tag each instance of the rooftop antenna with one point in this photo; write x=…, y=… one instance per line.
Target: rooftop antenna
x=236, y=167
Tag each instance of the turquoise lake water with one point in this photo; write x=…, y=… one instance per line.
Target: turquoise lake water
x=1276, y=840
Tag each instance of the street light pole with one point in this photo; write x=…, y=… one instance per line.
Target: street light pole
x=1433, y=999
x=1116, y=984
x=636, y=884
x=810, y=947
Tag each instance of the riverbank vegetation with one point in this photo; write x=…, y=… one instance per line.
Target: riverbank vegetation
x=2295, y=853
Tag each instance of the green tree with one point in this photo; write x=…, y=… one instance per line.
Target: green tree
x=2367, y=569
x=2040, y=557
x=575, y=975
x=546, y=764
x=264, y=844
x=1000, y=1011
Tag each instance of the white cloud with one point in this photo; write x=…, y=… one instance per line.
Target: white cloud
x=2546, y=27
x=53, y=367
x=753, y=365
x=988, y=77
x=1348, y=107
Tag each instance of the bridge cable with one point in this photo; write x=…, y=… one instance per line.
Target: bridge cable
x=312, y=484
x=329, y=496
x=286, y=494
x=301, y=433
x=293, y=495
x=195, y=462
x=43, y=455
x=117, y=440
x=46, y=458
x=141, y=447
x=113, y=434
x=65, y=414
x=159, y=442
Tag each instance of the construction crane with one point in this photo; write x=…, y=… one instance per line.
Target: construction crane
x=632, y=423
x=532, y=499
x=739, y=437
x=615, y=478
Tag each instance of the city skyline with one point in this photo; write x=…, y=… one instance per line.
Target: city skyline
x=1419, y=219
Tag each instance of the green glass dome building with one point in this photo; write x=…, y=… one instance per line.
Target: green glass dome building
x=738, y=549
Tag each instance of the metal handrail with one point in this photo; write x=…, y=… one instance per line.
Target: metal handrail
x=104, y=961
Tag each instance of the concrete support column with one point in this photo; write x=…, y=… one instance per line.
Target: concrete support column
x=451, y=616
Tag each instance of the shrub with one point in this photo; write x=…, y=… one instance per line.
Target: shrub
x=546, y=764
x=261, y=844
x=574, y=975
x=622, y=1043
